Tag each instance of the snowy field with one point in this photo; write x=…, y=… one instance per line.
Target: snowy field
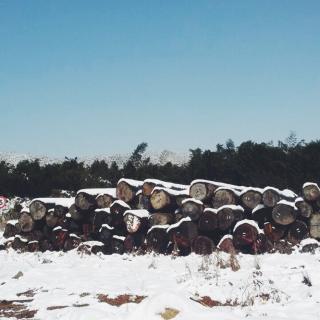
x=71, y=285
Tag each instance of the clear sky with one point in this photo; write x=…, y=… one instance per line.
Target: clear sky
x=98, y=77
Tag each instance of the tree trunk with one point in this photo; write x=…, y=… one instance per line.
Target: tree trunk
x=311, y=191
x=315, y=226
x=251, y=198
x=127, y=189
x=26, y=222
x=223, y=197
x=192, y=208
x=297, y=232
x=270, y=197
x=284, y=213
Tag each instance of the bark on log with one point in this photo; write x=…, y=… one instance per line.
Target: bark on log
x=127, y=189
x=284, y=213
x=274, y=232
x=202, y=245
x=12, y=228
x=305, y=209
x=19, y=243
x=251, y=198
x=117, y=245
x=297, y=232
x=192, y=208
x=33, y=246
x=26, y=222
x=72, y=242
x=315, y=226
x=311, y=191
x=224, y=197
x=270, y=197
x=134, y=242
x=161, y=218
x=261, y=214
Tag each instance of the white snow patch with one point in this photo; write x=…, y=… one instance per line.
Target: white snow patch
x=177, y=224
x=140, y=213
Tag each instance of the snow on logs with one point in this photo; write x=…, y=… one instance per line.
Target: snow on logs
x=164, y=217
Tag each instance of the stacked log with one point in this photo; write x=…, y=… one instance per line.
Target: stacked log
x=168, y=218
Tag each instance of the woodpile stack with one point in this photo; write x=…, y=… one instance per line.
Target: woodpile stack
x=168, y=218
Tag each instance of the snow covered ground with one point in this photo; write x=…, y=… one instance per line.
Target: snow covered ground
x=70, y=285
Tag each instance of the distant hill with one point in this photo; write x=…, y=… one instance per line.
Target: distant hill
x=155, y=157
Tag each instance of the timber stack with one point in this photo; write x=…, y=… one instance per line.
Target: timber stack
x=167, y=218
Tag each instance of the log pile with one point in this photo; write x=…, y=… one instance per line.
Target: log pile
x=167, y=218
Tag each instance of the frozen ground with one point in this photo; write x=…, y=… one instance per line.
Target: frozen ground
x=271, y=286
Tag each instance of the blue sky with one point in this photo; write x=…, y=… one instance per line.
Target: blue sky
x=99, y=77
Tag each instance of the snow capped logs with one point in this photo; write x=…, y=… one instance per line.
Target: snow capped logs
x=162, y=217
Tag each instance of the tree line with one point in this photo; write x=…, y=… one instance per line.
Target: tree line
x=285, y=164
